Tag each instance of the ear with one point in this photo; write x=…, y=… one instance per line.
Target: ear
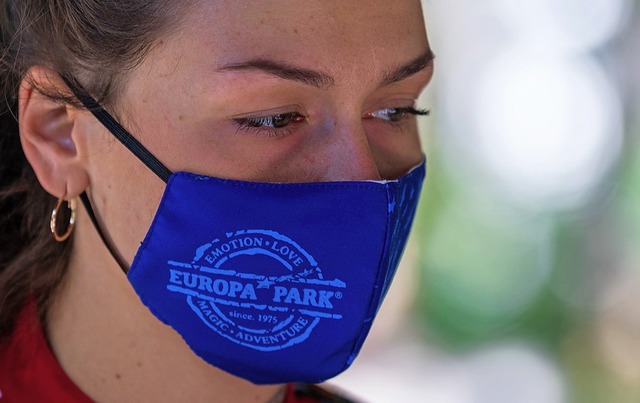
x=47, y=134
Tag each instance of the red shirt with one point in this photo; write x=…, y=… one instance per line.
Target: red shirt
x=29, y=371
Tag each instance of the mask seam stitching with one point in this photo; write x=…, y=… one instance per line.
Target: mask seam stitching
x=232, y=182
x=377, y=290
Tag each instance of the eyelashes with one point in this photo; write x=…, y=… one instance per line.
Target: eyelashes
x=396, y=114
x=282, y=124
x=276, y=126
x=273, y=121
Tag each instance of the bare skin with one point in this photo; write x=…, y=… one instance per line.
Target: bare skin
x=181, y=103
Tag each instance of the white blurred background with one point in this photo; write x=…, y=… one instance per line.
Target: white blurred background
x=522, y=281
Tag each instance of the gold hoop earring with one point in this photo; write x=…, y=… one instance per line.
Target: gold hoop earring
x=71, y=206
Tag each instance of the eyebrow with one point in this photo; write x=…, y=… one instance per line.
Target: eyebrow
x=407, y=70
x=321, y=79
x=286, y=71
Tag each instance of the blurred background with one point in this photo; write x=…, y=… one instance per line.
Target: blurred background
x=522, y=279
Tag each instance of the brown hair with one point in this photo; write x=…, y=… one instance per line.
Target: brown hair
x=95, y=41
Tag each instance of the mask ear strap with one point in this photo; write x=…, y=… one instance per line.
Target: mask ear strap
x=130, y=142
x=118, y=131
x=94, y=220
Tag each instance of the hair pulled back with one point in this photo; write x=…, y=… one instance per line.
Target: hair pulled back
x=95, y=41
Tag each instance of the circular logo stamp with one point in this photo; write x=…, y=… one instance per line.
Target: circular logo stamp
x=257, y=288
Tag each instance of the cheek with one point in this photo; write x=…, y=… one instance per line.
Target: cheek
x=395, y=152
x=125, y=194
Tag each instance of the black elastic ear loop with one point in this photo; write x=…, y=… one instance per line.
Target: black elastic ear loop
x=118, y=131
x=87, y=205
x=130, y=142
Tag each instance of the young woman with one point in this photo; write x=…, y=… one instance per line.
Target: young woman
x=248, y=172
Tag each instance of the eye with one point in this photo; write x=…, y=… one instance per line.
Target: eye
x=278, y=125
x=274, y=121
x=396, y=114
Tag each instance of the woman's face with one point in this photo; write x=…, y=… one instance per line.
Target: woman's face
x=278, y=90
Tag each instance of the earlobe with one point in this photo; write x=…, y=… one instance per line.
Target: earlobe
x=48, y=137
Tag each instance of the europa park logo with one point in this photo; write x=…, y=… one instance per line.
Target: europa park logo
x=257, y=288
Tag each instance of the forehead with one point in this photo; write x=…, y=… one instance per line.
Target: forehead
x=327, y=34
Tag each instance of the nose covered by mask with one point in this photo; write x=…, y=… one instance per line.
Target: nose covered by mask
x=271, y=282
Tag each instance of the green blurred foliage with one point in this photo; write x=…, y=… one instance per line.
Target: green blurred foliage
x=492, y=272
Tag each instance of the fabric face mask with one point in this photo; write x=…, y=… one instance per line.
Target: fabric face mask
x=271, y=282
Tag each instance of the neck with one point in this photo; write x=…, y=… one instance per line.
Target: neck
x=114, y=349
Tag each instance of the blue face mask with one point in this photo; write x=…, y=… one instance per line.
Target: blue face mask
x=271, y=282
